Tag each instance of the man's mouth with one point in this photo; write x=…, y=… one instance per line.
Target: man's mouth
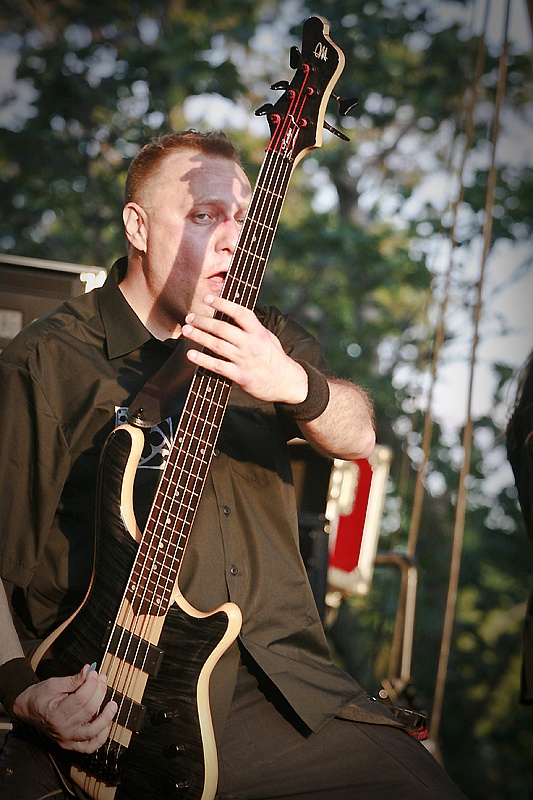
x=219, y=277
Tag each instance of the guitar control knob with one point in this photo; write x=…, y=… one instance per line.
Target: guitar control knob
x=173, y=750
x=177, y=790
x=160, y=717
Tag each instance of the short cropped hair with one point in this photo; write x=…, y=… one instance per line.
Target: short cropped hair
x=212, y=143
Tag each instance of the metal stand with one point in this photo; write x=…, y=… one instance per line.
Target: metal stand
x=399, y=673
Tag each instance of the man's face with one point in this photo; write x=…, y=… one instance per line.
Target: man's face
x=194, y=206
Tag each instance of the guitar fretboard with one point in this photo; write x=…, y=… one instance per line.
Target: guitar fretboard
x=157, y=564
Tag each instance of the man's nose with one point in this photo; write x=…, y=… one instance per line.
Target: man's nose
x=229, y=233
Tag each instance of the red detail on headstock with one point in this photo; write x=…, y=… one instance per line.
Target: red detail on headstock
x=297, y=119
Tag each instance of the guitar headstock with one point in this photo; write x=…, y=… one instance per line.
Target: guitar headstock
x=297, y=119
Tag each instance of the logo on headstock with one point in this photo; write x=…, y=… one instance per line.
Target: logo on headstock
x=321, y=51
x=287, y=143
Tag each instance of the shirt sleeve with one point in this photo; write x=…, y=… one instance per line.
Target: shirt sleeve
x=295, y=339
x=34, y=463
x=298, y=343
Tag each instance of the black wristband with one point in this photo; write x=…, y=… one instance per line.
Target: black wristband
x=317, y=396
x=15, y=676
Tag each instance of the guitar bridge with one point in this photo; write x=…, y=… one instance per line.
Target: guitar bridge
x=105, y=764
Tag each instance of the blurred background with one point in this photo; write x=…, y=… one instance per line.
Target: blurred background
x=406, y=250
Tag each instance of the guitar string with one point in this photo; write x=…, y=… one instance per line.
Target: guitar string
x=206, y=391
x=251, y=288
x=196, y=413
x=139, y=633
x=201, y=434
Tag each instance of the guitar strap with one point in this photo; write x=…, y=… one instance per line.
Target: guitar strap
x=162, y=394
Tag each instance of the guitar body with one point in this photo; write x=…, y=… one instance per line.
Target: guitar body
x=171, y=750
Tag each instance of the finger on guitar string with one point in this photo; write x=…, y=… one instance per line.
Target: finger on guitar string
x=69, y=709
x=214, y=337
x=79, y=722
x=91, y=736
x=243, y=317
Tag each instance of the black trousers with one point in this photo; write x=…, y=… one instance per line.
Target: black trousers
x=267, y=753
x=25, y=772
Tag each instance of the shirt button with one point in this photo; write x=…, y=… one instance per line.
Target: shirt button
x=234, y=570
x=216, y=451
x=227, y=510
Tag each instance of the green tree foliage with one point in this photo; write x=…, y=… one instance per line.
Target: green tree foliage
x=358, y=259
x=105, y=79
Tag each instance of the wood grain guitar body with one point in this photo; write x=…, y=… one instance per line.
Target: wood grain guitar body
x=161, y=744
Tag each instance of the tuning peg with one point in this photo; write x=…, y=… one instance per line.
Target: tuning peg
x=345, y=106
x=265, y=109
x=294, y=57
x=280, y=85
x=331, y=129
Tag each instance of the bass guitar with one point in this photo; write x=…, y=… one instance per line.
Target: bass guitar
x=157, y=651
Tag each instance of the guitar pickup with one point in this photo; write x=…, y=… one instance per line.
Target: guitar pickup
x=135, y=651
x=130, y=714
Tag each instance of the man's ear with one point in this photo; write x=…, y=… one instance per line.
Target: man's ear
x=134, y=219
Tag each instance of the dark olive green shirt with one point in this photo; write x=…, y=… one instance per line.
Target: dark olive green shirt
x=65, y=383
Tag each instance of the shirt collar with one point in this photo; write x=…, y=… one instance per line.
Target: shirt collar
x=123, y=329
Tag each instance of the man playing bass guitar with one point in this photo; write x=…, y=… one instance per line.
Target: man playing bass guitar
x=287, y=722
